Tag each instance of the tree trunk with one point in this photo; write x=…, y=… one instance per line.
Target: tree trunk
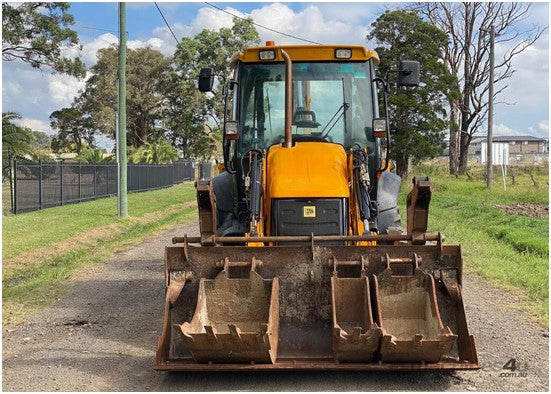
x=402, y=165
x=465, y=141
x=454, y=137
x=467, y=89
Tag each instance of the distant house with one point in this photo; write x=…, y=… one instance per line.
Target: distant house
x=524, y=144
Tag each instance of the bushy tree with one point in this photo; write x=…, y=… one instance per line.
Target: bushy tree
x=36, y=33
x=41, y=140
x=467, y=56
x=147, y=72
x=155, y=153
x=418, y=115
x=16, y=140
x=194, y=118
x=74, y=129
x=94, y=155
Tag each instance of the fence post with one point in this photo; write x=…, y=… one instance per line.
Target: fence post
x=107, y=179
x=40, y=184
x=61, y=181
x=15, y=186
x=79, y=186
x=94, y=182
x=11, y=179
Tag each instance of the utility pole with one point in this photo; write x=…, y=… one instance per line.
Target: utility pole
x=489, y=173
x=122, y=203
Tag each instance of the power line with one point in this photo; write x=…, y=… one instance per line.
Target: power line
x=167, y=25
x=95, y=28
x=264, y=27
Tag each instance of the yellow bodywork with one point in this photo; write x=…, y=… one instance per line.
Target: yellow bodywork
x=308, y=169
x=299, y=53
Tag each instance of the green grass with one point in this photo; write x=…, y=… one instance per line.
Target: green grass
x=20, y=231
x=28, y=287
x=6, y=199
x=510, y=251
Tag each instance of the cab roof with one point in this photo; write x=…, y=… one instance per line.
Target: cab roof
x=306, y=53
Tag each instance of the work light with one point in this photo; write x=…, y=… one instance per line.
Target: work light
x=343, y=53
x=266, y=55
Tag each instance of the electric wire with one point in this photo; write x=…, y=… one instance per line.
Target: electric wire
x=95, y=28
x=167, y=25
x=263, y=27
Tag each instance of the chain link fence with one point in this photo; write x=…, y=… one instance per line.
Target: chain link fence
x=43, y=185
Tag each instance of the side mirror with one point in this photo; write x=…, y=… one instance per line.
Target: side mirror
x=206, y=79
x=408, y=75
x=379, y=128
x=231, y=130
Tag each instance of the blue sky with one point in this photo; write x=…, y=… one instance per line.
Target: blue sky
x=35, y=94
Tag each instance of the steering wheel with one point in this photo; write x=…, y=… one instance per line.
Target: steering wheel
x=300, y=119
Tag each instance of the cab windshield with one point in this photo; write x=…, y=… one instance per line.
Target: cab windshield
x=331, y=102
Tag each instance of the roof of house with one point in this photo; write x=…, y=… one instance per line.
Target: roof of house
x=518, y=138
x=510, y=138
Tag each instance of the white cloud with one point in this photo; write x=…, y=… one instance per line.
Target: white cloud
x=36, y=124
x=64, y=88
x=36, y=94
x=11, y=88
x=540, y=129
x=212, y=19
x=90, y=49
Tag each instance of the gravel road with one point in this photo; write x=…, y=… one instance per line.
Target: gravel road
x=102, y=337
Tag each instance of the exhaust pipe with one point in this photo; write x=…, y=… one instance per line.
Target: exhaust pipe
x=288, y=99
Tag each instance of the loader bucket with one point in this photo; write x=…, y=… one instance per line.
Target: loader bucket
x=236, y=320
x=293, y=312
x=409, y=315
x=355, y=335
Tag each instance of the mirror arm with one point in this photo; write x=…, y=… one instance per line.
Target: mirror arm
x=385, y=85
x=225, y=142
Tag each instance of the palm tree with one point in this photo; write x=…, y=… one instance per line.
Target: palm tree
x=155, y=153
x=91, y=155
x=16, y=138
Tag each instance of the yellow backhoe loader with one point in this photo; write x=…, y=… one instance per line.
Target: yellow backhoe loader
x=301, y=262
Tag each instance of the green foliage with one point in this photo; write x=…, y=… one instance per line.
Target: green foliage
x=154, y=153
x=163, y=103
x=511, y=251
x=418, y=115
x=37, y=33
x=194, y=118
x=93, y=233
x=147, y=72
x=22, y=142
x=16, y=139
x=74, y=129
x=91, y=155
x=41, y=140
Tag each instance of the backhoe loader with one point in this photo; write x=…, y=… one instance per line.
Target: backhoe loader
x=301, y=262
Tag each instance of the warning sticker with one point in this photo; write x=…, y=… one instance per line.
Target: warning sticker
x=309, y=211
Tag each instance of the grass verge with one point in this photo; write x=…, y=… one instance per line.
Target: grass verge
x=39, y=262
x=511, y=251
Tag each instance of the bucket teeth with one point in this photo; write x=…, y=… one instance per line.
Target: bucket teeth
x=410, y=316
x=236, y=320
x=375, y=310
x=355, y=335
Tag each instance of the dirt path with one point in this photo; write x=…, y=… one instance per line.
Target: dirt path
x=102, y=337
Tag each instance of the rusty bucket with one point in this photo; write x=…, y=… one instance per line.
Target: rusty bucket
x=408, y=314
x=355, y=335
x=236, y=319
